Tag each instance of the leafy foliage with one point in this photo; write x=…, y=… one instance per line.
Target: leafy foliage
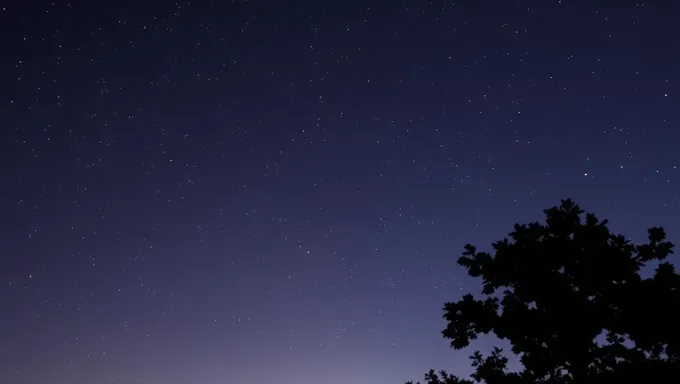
x=570, y=298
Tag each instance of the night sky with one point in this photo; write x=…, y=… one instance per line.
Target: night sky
x=278, y=191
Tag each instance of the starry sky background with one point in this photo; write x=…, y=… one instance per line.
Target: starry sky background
x=270, y=191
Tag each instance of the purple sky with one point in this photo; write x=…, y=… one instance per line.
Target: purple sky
x=277, y=192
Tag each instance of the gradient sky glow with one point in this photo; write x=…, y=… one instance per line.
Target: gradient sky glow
x=201, y=192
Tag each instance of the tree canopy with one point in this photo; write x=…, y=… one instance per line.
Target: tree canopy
x=571, y=299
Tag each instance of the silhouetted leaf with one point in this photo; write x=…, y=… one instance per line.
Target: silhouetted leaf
x=574, y=305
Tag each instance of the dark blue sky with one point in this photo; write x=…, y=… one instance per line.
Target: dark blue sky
x=270, y=191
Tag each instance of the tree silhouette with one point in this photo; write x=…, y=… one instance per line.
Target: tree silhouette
x=570, y=298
